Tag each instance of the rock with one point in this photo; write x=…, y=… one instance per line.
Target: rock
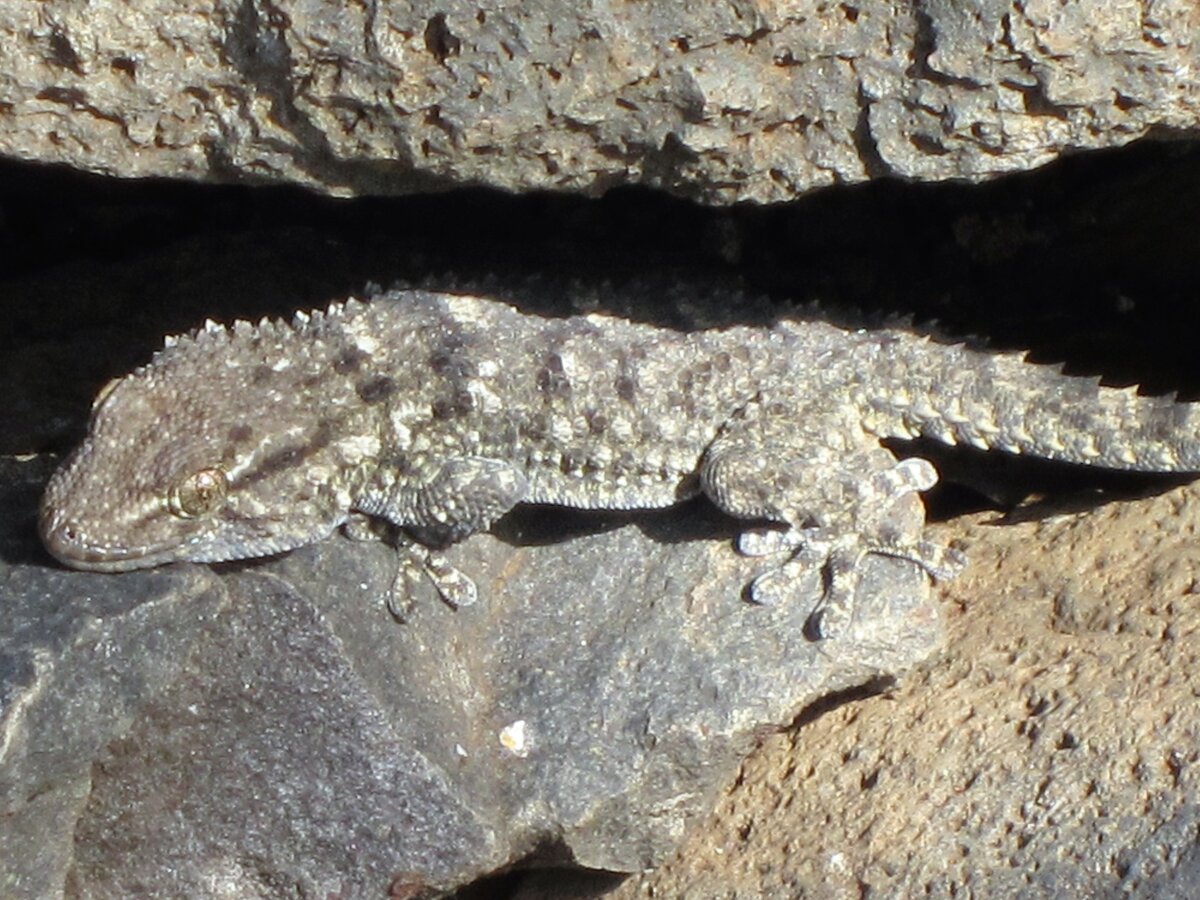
x=272, y=726
x=724, y=103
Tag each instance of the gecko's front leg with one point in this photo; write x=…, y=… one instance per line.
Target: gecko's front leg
x=466, y=495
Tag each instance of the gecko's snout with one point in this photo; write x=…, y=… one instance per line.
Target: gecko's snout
x=60, y=536
x=71, y=544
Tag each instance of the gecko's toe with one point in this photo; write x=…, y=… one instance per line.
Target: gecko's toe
x=414, y=563
x=456, y=589
x=767, y=541
x=794, y=581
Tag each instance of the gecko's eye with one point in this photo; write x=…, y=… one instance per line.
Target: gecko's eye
x=198, y=494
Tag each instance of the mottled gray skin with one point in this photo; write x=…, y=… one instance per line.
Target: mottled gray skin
x=439, y=413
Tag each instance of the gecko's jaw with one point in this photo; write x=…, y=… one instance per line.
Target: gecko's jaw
x=71, y=545
x=96, y=550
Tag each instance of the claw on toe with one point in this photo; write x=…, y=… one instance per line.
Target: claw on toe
x=769, y=589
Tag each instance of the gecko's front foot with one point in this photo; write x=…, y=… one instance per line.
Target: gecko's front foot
x=414, y=562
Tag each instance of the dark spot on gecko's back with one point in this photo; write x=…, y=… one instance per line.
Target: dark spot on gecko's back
x=535, y=428
x=261, y=375
x=240, y=434
x=626, y=388
x=350, y=361
x=442, y=362
x=375, y=390
x=448, y=407
x=596, y=420
x=450, y=363
x=552, y=383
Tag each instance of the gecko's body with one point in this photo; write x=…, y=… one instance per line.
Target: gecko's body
x=439, y=413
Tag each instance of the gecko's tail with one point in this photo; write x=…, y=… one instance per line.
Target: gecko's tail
x=1001, y=401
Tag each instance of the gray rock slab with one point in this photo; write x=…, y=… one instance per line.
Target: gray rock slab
x=269, y=729
x=723, y=102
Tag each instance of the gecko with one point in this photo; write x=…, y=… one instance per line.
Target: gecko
x=439, y=412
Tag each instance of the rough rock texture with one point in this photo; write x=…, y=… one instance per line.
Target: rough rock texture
x=272, y=729
x=1051, y=751
x=726, y=102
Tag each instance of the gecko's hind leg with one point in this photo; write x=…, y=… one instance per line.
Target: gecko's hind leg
x=889, y=524
x=907, y=476
x=890, y=487
x=414, y=563
x=835, y=496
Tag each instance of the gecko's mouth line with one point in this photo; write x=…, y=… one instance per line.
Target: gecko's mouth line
x=70, y=545
x=65, y=543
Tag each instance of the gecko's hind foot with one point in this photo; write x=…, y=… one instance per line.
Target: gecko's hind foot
x=836, y=579
x=838, y=561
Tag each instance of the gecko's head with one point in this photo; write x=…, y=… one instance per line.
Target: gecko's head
x=203, y=456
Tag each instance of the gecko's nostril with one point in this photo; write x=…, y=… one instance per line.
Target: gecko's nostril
x=59, y=534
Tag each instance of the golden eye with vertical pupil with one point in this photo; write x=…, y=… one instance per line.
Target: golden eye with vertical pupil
x=198, y=494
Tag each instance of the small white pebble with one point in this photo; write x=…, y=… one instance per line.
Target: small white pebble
x=513, y=738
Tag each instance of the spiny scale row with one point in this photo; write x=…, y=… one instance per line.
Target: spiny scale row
x=300, y=322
